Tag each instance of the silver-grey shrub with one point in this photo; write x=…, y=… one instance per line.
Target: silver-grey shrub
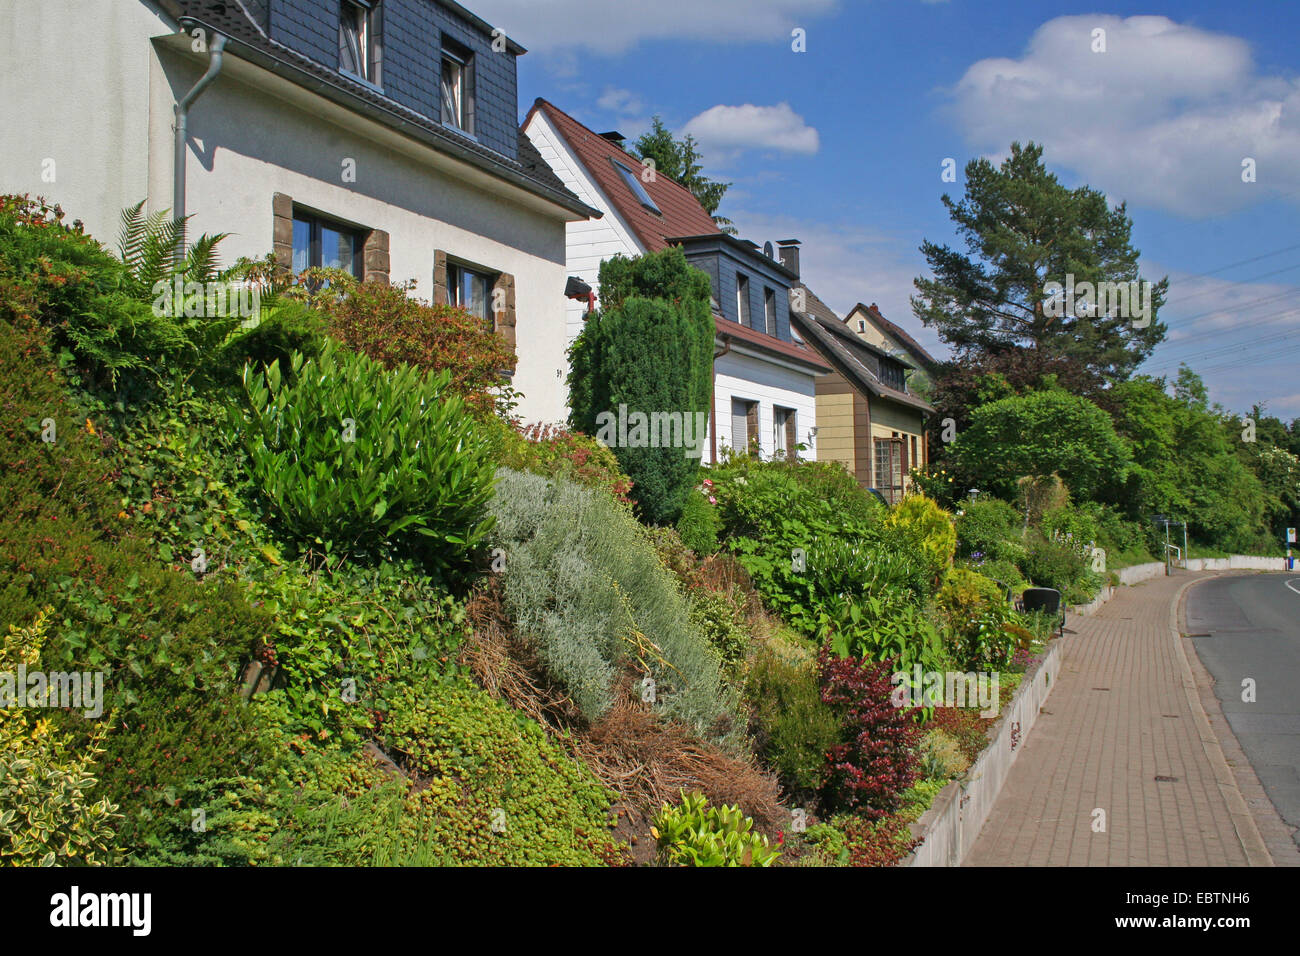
x=585, y=587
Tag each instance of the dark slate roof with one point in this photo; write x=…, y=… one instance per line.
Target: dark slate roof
x=681, y=212
x=816, y=307
x=898, y=333
x=828, y=335
x=248, y=41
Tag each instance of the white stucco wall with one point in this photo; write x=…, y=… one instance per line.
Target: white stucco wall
x=100, y=96
x=74, y=81
x=249, y=145
x=590, y=242
x=753, y=379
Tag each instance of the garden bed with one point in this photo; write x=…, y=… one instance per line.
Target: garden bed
x=950, y=827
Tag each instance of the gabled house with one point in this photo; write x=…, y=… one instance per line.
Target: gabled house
x=377, y=136
x=874, y=329
x=764, y=394
x=868, y=420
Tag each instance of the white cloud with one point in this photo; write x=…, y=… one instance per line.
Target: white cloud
x=726, y=131
x=613, y=27
x=1164, y=117
x=845, y=264
x=622, y=102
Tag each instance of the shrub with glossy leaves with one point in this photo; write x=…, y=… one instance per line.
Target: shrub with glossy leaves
x=48, y=812
x=359, y=457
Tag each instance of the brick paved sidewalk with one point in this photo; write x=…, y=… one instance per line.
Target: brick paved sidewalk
x=1119, y=718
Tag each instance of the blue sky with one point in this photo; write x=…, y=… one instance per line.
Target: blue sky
x=842, y=145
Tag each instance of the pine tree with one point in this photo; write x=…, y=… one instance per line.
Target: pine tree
x=1024, y=230
x=679, y=160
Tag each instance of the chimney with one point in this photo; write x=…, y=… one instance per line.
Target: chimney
x=789, y=254
x=615, y=137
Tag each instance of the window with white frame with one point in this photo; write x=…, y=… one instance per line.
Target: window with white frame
x=359, y=52
x=742, y=298
x=769, y=311
x=457, y=87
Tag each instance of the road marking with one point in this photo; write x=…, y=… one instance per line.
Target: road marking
x=1292, y=581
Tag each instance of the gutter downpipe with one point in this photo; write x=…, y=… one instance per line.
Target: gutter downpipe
x=713, y=401
x=215, y=57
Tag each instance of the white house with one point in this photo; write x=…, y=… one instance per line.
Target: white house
x=375, y=135
x=764, y=383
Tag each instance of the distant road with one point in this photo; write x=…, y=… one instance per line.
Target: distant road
x=1253, y=623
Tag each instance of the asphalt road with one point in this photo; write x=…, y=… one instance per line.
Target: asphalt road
x=1253, y=623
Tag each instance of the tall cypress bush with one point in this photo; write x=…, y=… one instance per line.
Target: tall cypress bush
x=650, y=348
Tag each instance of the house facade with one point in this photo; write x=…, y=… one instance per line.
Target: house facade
x=378, y=136
x=764, y=394
x=868, y=418
x=874, y=329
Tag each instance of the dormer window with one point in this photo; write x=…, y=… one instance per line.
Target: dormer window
x=742, y=299
x=638, y=190
x=359, y=51
x=457, y=87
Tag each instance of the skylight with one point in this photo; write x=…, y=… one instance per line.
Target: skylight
x=634, y=183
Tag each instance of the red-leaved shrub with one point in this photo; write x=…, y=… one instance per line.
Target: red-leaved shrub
x=383, y=321
x=877, y=761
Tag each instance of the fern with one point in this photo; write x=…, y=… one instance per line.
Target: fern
x=147, y=247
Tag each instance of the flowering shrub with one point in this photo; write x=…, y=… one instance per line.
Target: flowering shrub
x=699, y=524
x=554, y=451
x=937, y=483
x=877, y=761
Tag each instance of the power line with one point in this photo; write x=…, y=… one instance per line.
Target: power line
x=1267, y=318
x=1262, y=275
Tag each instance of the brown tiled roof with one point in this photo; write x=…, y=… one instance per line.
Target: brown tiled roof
x=682, y=214
x=249, y=41
x=829, y=337
x=769, y=343
x=898, y=333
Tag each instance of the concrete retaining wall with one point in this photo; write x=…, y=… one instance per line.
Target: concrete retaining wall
x=952, y=824
x=950, y=827
x=1238, y=562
